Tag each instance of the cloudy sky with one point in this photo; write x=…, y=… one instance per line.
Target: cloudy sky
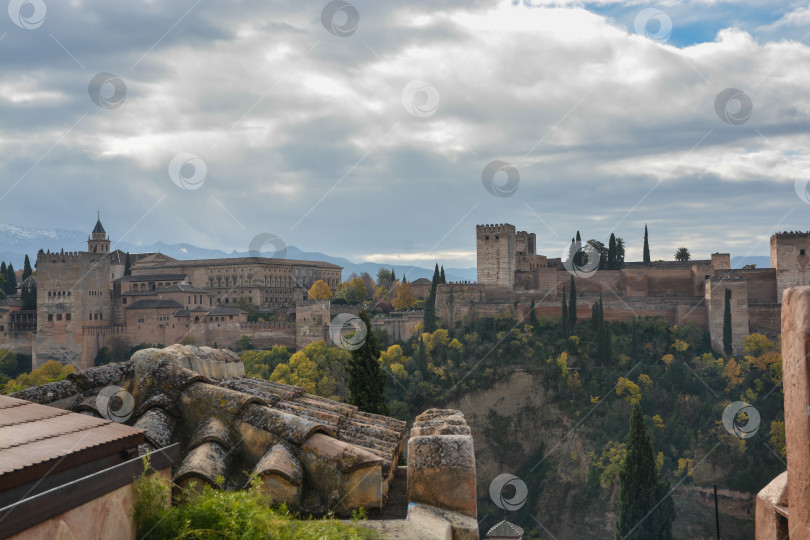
x=367, y=129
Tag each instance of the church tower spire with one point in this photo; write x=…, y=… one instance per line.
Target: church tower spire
x=98, y=242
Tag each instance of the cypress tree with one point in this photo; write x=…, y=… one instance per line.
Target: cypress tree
x=27, y=272
x=11, y=280
x=442, y=279
x=646, y=509
x=612, y=263
x=393, y=276
x=3, y=278
x=579, y=256
x=564, y=322
x=572, y=308
x=533, y=316
x=646, y=245
x=430, y=305
x=728, y=348
x=366, y=378
x=127, y=266
x=634, y=341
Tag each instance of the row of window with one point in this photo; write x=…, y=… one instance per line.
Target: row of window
x=58, y=316
x=58, y=293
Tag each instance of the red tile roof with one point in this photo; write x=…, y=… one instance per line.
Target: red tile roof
x=37, y=440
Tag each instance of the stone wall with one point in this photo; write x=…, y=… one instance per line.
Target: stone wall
x=715, y=302
x=765, y=319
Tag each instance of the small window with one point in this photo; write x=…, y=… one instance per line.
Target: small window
x=67, y=316
x=50, y=316
x=58, y=316
x=124, y=300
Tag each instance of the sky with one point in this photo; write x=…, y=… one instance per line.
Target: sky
x=385, y=131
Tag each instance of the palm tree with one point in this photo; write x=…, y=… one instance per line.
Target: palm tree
x=682, y=254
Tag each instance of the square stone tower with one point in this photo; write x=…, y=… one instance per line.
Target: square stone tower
x=73, y=291
x=495, y=245
x=790, y=256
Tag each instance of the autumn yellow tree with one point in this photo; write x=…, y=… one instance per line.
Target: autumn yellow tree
x=320, y=291
x=405, y=298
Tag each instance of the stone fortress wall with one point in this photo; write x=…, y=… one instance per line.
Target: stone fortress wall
x=511, y=275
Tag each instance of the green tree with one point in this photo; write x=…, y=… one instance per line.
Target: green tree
x=682, y=254
x=245, y=303
x=572, y=308
x=11, y=280
x=127, y=266
x=430, y=304
x=366, y=378
x=442, y=279
x=533, y=316
x=611, y=262
x=619, y=253
x=3, y=279
x=564, y=321
x=385, y=277
x=728, y=348
x=27, y=271
x=646, y=509
x=646, y=245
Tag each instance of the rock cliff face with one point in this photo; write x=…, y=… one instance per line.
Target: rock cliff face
x=515, y=417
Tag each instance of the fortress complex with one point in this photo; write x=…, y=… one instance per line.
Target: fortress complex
x=83, y=298
x=511, y=274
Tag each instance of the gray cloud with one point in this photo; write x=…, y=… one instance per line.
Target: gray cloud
x=304, y=134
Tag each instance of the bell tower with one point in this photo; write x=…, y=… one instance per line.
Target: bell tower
x=98, y=242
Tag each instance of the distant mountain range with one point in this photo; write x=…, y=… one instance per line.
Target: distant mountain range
x=16, y=242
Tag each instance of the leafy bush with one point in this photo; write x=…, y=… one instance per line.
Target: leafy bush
x=212, y=513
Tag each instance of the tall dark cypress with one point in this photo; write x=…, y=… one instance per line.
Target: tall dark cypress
x=442, y=279
x=728, y=346
x=612, y=263
x=11, y=279
x=127, y=266
x=646, y=509
x=564, y=321
x=430, y=304
x=533, y=316
x=572, y=308
x=366, y=378
x=27, y=271
x=646, y=245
